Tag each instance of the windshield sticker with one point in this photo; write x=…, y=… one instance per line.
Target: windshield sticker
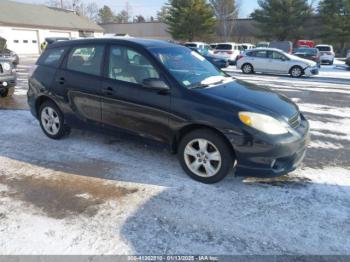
x=186, y=83
x=198, y=56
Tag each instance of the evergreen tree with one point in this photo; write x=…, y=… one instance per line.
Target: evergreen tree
x=335, y=15
x=190, y=19
x=106, y=14
x=282, y=19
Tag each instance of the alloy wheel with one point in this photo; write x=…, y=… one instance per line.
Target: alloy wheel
x=202, y=158
x=296, y=72
x=50, y=121
x=247, y=69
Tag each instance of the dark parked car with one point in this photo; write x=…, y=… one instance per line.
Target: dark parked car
x=312, y=54
x=7, y=54
x=285, y=46
x=216, y=61
x=168, y=93
x=7, y=77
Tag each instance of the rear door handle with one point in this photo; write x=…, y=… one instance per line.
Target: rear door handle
x=61, y=80
x=109, y=91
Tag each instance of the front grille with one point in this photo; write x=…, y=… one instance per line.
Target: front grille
x=295, y=120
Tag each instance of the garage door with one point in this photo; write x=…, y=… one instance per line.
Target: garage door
x=25, y=41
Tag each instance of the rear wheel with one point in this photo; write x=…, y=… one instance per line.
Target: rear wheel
x=247, y=69
x=52, y=121
x=205, y=156
x=296, y=71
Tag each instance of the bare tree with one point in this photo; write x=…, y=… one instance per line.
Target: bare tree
x=88, y=10
x=226, y=11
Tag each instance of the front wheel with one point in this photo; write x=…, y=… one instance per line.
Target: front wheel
x=52, y=121
x=296, y=72
x=205, y=156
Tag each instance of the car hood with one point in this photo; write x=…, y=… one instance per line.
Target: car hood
x=252, y=97
x=305, y=61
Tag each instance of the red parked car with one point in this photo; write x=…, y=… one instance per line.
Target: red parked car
x=306, y=43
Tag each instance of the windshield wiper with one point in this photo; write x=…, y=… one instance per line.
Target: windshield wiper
x=197, y=86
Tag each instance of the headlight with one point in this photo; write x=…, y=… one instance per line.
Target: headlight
x=263, y=123
x=6, y=66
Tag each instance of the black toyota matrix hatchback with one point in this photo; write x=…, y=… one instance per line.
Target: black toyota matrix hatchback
x=173, y=95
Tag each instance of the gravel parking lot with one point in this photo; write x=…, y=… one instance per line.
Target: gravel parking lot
x=97, y=194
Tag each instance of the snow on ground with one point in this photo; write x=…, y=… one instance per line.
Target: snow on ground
x=96, y=194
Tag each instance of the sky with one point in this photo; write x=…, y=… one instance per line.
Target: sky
x=150, y=7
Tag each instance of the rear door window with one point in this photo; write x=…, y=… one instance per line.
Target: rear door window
x=52, y=57
x=86, y=59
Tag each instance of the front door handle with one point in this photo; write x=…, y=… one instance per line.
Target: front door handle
x=109, y=91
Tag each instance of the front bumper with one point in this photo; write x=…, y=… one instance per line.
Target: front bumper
x=7, y=81
x=268, y=156
x=311, y=71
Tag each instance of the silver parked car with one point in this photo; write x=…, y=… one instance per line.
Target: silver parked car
x=275, y=61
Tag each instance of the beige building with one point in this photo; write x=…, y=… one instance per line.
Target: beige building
x=25, y=26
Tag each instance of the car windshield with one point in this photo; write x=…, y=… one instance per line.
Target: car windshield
x=309, y=51
x=224, y=47
x=324, y=48
x=188, y=67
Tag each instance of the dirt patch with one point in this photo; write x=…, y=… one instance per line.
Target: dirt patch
x=18, y=102
x=283, y=181
x=64, y=196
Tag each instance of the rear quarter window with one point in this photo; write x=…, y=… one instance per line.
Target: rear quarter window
x=52, y=57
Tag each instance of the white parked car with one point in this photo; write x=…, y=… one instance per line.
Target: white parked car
x=246, y=46
x=228, y=51
x=200, y=46
x=275, y=61
x=327, y=54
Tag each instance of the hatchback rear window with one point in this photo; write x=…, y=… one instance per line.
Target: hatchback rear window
x=52, y=57
x=224, y=47
x=324, y=48
x=310, y=51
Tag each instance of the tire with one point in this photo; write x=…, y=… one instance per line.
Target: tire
x=8, y=92
x=247, y=69
x=52, y=121
x=296, y=72
x=195, y=151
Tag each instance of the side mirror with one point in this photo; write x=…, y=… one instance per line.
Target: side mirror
x=155, y=84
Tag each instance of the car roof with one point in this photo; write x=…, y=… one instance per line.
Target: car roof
x=265, y=49
x=227, y=43
x=139, y=42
